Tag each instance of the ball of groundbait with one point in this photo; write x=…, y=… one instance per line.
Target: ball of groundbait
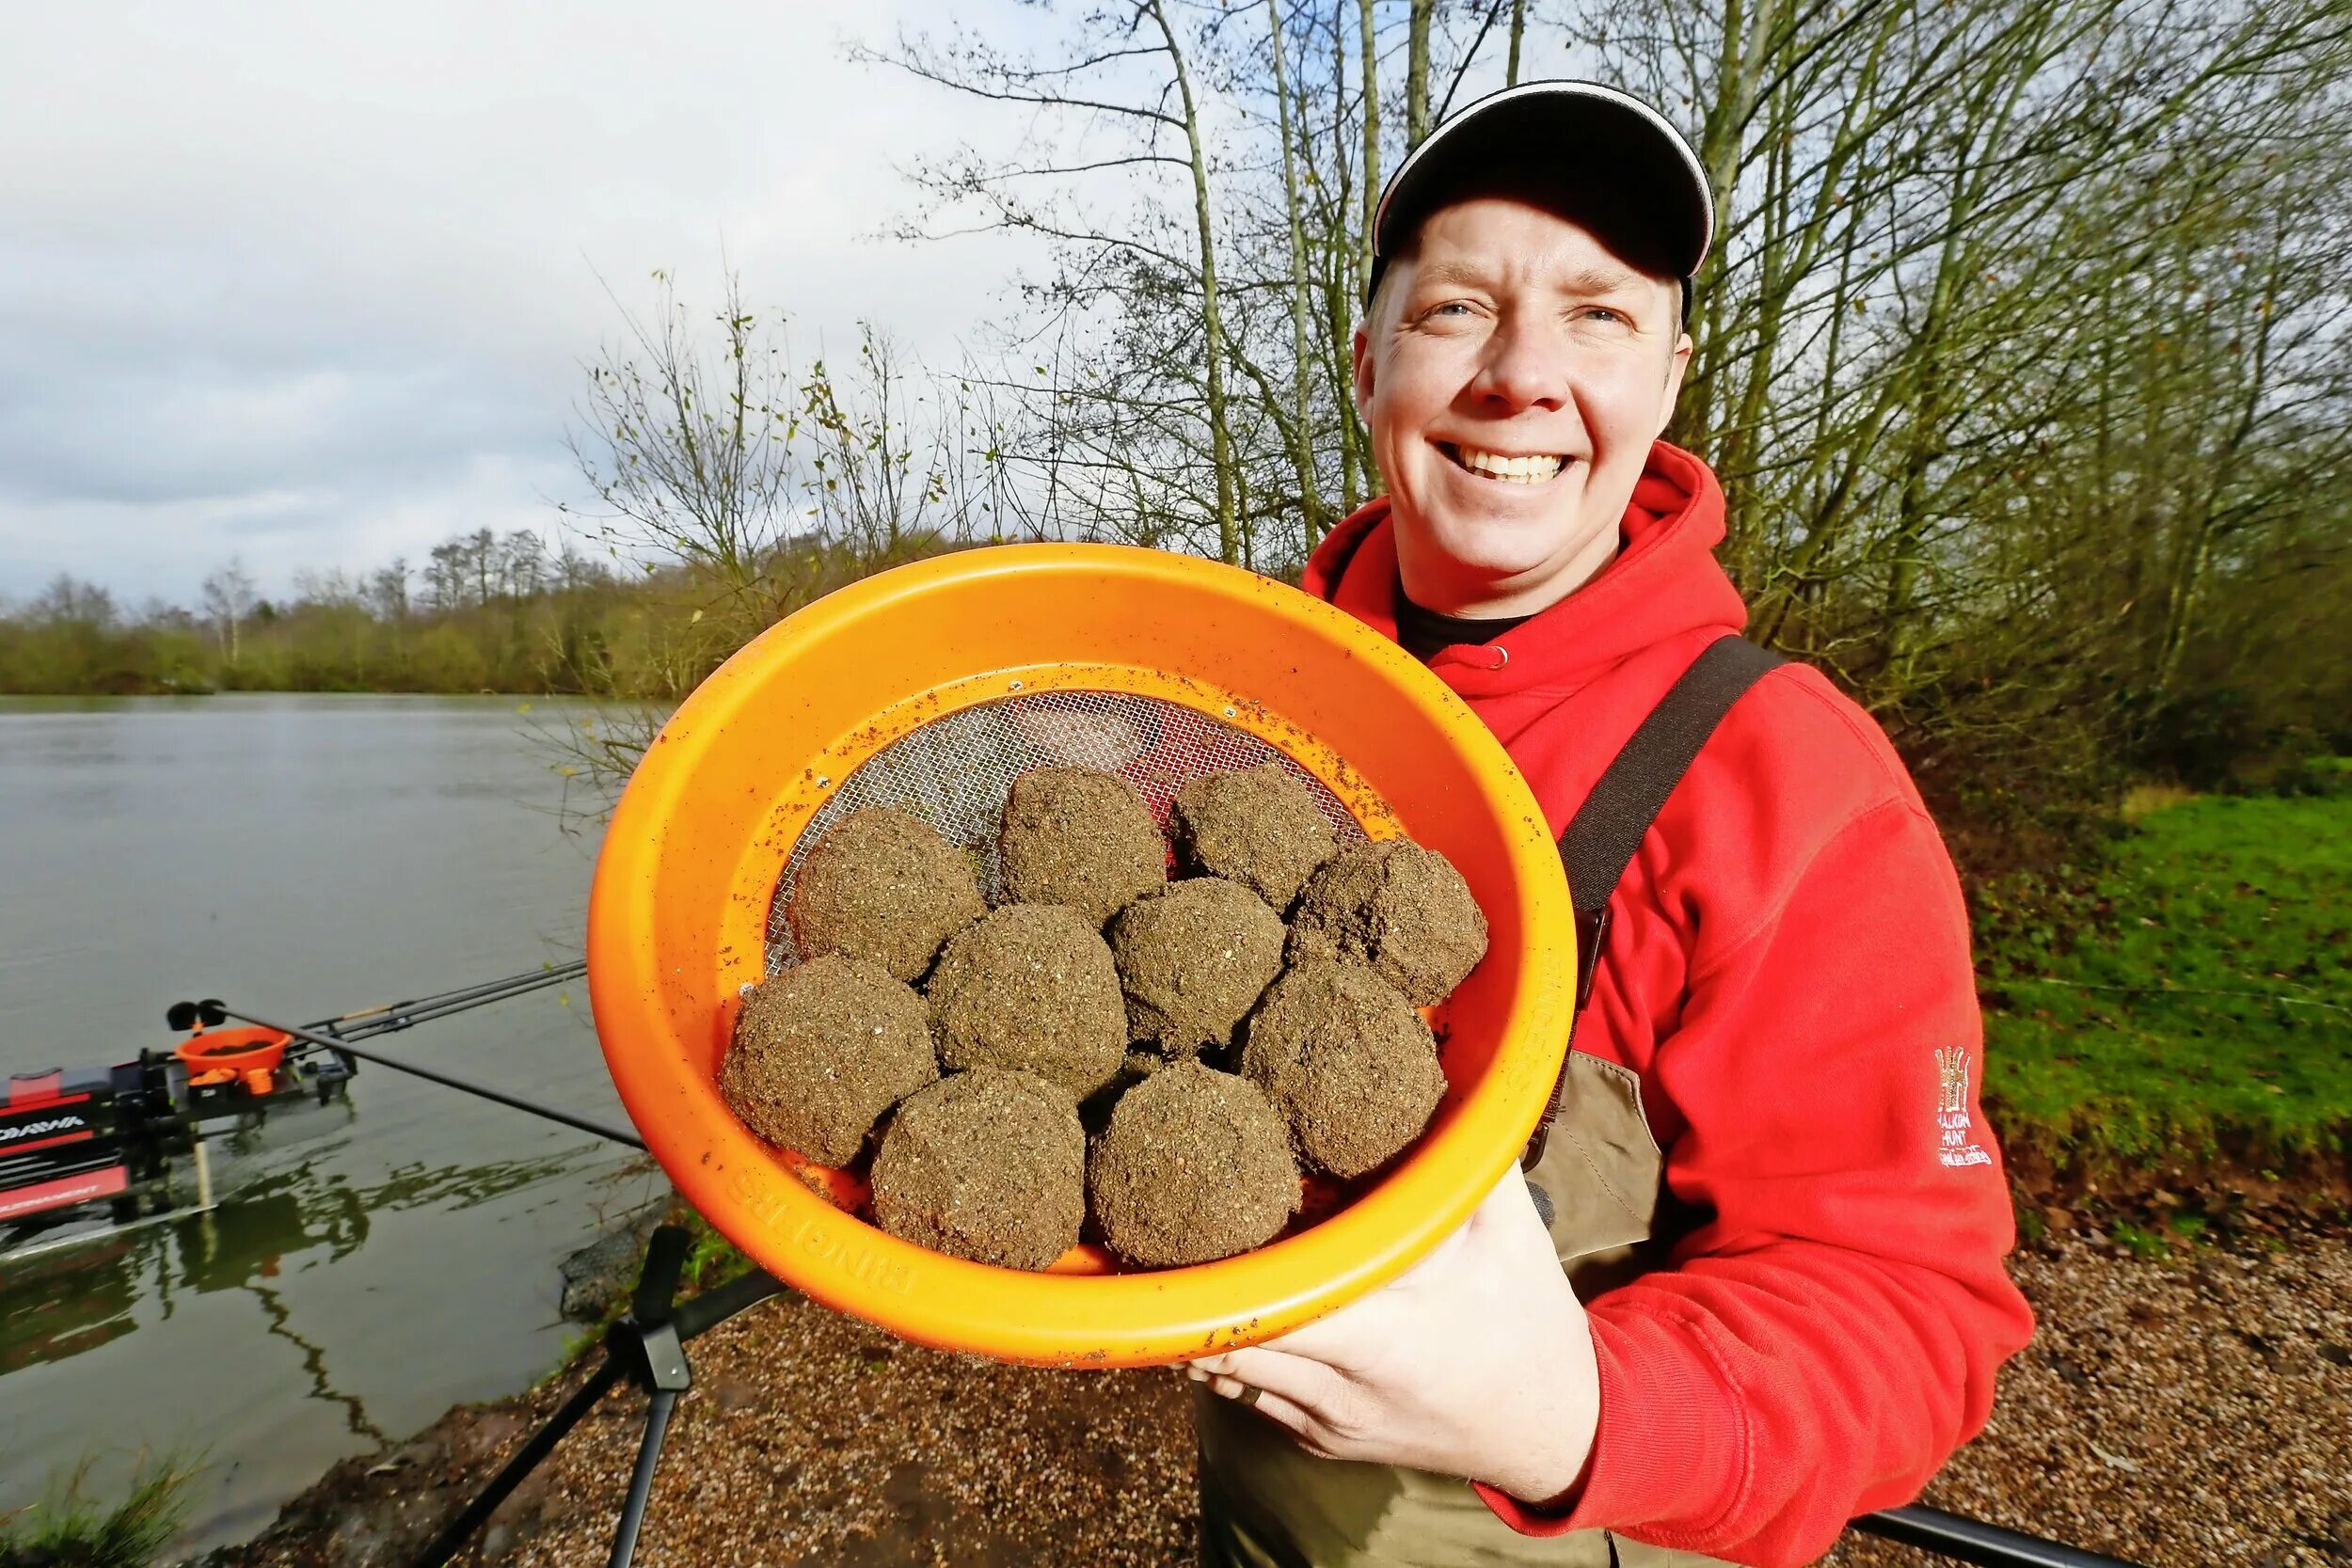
x=1347, y=1061
x=881, y=886
x=1083, y=838
x=1031, y=987
x=1194, y=959
x=988, y=1165
x=1400, y=908
x=1255, y=826
x=1195, y=1165
x=821, y=1050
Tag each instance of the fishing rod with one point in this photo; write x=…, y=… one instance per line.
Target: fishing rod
x=395, y=1016
x=431, y=1075
x=337, y=1035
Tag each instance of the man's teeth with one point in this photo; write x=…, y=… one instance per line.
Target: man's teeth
x=1525, y=470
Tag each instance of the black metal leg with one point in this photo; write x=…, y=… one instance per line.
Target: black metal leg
x=458, y=1530
x=1964, y=1540
x=648, y=1348
x=641, y=1480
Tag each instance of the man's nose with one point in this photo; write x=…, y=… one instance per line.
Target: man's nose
x=1528, y=366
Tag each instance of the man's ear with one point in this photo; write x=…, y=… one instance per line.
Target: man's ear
x=1674, y=367
x=1362, y=351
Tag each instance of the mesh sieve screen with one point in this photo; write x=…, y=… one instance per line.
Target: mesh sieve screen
x=955, y=773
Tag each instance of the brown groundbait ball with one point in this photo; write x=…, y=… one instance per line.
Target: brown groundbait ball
x=1347, y=1061
x=1078, y=837
x=986, y=1165
x=1031, y=987
x=881, y=886
x=1194, y=960
x=1194, y=1166
x=821, y=1050
x=1400, y=908
x=1256, y=825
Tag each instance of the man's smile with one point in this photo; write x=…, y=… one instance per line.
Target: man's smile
x=1509, y=468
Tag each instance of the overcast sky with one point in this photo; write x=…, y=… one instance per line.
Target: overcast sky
x=312, y=284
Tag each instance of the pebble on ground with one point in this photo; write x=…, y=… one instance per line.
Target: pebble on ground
x=989, y=1165
x=1347, y=1062
x=1256, y=825
x=1402, y=908
x=822, y=1051
x=1031, y=987
x=1080, y=837
x=882, y=885
x=1195, y=1165
x=1194, y=959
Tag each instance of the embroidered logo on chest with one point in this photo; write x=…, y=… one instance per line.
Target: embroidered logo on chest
x=1956, y=1142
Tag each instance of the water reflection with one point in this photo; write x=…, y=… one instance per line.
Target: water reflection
x=62, y=1302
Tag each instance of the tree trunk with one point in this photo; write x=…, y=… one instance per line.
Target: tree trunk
x=1417, y=73
x=1368, y=57
x=1229, y=544
x=2197, y=550
x=1518, y=30
x=1899, y=630
x=1302, y=447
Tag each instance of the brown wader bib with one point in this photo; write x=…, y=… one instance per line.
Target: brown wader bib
x=1267, y=1503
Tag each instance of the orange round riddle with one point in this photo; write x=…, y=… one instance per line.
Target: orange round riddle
x=677, y=917
x=251, y=1049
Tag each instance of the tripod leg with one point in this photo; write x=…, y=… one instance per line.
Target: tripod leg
x=458, y=1530
x=641, y=1482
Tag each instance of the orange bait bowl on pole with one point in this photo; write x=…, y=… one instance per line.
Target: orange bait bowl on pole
x=930, y=686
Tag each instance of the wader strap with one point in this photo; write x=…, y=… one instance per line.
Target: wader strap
x=1614, y=818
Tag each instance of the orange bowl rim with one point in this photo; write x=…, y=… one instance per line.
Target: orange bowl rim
x=1117, y=1320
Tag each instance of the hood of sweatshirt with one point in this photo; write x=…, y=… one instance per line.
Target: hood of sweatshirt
x=1663, y=585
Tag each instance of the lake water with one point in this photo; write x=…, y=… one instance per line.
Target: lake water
x=369, y=1265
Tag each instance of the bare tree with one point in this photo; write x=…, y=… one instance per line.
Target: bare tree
x=2015, y=350
x=230, y=596
x=688, y=448
x=69, y=599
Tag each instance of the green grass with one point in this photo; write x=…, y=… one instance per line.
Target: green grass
x=2189, y=1000
x=71, y=1531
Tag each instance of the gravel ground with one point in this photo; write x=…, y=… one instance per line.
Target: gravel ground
x=2182, y=1412
x=2190, y=1411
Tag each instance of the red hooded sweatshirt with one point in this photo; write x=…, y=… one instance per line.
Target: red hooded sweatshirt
x=1788, y=973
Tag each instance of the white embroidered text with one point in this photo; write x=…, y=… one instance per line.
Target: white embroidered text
x=1956, y=1141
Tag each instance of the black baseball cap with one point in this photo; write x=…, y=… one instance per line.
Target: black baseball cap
x=1610, y=155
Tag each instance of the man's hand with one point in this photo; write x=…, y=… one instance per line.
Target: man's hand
x=1477, y=1363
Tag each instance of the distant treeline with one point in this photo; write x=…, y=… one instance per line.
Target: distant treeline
x=487, y=612
x=2020, y=355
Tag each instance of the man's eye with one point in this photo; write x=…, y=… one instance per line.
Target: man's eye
x=1461, y=305
x=1603, y=313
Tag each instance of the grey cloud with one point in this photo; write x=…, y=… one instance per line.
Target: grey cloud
x=313, y=283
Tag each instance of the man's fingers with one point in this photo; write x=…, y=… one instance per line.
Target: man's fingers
x=1360, y=1333
x=1292, y=1417
x=1296, y=1379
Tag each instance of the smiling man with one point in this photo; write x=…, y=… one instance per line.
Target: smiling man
x=1751, y=1284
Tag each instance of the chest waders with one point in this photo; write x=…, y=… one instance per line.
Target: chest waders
x=1598, y=1175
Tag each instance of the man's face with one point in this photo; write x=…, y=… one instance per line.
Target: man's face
x=1512, y=377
